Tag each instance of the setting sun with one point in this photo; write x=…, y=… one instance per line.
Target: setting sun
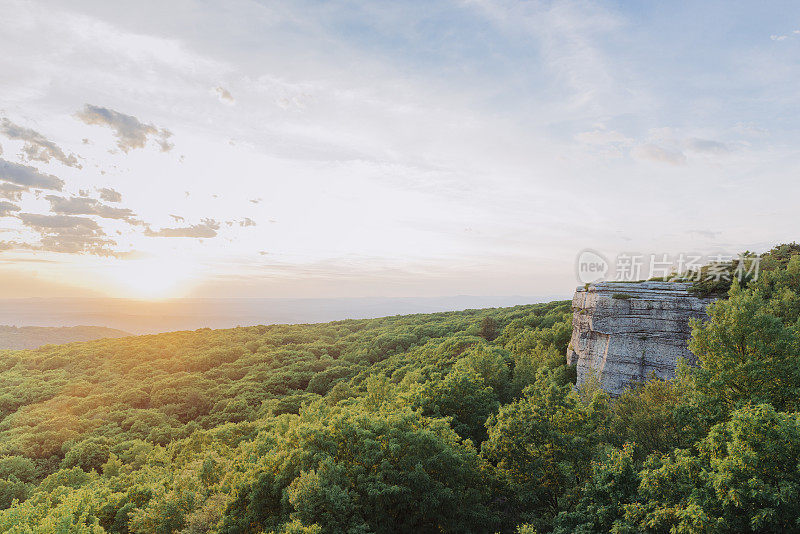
x=150, y=279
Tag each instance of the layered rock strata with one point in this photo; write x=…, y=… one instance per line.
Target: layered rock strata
x=628, y=332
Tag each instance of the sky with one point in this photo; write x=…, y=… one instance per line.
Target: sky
x=244, y=148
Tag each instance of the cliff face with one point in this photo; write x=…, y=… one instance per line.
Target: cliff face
x=627, y=332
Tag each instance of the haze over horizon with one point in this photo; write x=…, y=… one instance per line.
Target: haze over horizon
x=151, y=317
x=306, y=149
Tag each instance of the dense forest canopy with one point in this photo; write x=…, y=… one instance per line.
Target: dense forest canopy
x=450, y=422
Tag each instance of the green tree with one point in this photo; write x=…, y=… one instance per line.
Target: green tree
x=746, y=355
x=656, y=416
x=462, y=396
x=349, y=470
x=542, y=445
x=89, y=455
x=491, y=364
x=613, y=484
x=744, y=477
x=489, y=328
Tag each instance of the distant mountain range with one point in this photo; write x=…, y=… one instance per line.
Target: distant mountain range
x=148, y=317
x=31, y=337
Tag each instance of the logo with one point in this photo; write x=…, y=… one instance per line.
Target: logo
x=591, y=266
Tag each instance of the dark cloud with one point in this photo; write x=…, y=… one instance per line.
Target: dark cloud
x=37, y=147
x=61, y=224
x=707, y=145
x=7, y=208
x=68, y=234
x=708, y=234
x=11, y=191
x=110, y=195
x=28, y=176
x=11, y=245
x=206, y=228
x=87, y=206
x=75, y=244
x=129, y=131
x=659, y=154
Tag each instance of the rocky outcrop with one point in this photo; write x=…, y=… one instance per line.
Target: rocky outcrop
x=627, y=332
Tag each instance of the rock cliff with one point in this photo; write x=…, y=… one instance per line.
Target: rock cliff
x=627, y=332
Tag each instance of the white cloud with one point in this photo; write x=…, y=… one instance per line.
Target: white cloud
x=603, y=137
x=569, y=37
x=749, y=129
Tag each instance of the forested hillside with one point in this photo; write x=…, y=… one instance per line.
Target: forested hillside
x=31, y=337
x=451, y=422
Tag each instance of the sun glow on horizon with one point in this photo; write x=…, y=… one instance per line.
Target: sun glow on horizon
x=151, y=279
x=352, y=150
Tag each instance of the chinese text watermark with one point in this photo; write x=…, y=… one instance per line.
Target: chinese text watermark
x=591, y=266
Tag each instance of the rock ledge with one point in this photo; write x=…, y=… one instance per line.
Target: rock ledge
x=627, y=332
